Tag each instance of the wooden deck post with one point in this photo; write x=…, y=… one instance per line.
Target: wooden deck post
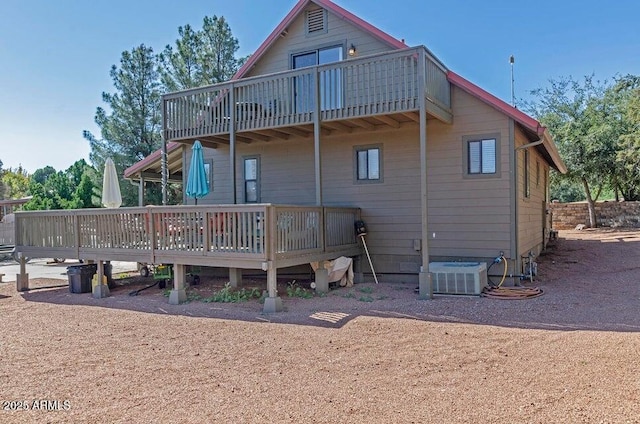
x=322, y=278
x=235, y=277
x=272, y=303
x=179, y=293
x=100, y=290
x=22, y=279
x=425, y=284
x=232, y=144
x=317, y=158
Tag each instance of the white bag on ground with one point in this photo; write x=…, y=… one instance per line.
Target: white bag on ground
x=340, y=269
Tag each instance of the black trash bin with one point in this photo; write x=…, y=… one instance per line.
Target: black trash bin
x=80, y=278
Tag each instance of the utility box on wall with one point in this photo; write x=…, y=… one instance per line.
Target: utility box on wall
x=458, y=277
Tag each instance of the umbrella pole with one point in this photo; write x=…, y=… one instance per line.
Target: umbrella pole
x=364, y=243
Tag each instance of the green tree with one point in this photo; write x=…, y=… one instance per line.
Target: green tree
x=131, y=130
x=180, y=68
x=576, y=114
x=219, y=51
x=625, y=95
x=16, y=183
x=41, y=175
x=203, y=57
x=70, y=189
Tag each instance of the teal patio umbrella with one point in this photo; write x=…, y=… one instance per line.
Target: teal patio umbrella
x=197, y=181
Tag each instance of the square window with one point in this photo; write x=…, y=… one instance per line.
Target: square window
x=482, y=156
x=368, y=164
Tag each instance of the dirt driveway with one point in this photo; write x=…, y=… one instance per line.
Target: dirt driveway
x=370, y=353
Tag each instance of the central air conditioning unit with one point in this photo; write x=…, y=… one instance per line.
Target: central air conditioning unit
x=458, y=277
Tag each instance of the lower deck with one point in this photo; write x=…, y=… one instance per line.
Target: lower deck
x=263, y=236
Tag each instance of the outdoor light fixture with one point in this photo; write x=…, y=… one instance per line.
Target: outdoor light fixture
x=352, y=50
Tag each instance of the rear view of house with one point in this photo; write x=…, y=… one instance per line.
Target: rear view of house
x=331, y=112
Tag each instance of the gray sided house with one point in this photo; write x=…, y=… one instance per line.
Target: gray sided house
x=331, y=111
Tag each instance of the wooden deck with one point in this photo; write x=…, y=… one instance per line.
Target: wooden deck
x=233, y=236
x=351, y=94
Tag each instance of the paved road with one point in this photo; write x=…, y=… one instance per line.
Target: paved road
x=44, y=268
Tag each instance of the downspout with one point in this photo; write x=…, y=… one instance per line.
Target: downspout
x=518, y=265
x=513, y=152
x=513, y=159
x=526, y=146
x=140, y=185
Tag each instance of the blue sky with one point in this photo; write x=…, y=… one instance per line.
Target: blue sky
x=55, y=56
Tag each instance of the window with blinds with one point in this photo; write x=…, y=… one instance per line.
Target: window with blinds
x=482, y=156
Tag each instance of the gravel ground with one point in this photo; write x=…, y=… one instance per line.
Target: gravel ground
x=362, y=354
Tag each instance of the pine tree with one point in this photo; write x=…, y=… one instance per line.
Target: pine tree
x=131, y=130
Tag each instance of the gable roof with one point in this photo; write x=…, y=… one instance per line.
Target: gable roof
x=527, y=122
x=296, y=11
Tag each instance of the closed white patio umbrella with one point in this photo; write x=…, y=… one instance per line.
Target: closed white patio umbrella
x=111, y=197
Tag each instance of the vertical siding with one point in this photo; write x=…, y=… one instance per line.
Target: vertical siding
x=531, y=210
x=339, y=32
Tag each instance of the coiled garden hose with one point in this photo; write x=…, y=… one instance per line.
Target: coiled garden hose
x=512, y=293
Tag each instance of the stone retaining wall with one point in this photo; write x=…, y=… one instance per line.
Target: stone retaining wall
x=567, y=216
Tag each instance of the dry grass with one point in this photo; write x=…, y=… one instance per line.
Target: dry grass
x=568, y=356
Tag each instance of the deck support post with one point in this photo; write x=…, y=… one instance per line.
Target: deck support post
x=235, y=277
x=272, y=303
x=22, y=279
x=317, y=157
x=425, y=285
x=179, y=293
x=100, y=290
x=322, y=278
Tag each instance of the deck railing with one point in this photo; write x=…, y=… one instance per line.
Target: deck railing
x=372, y=85
x=7, y=231
x=187, y=234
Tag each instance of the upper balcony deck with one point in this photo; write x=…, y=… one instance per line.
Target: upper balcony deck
x=356, y=93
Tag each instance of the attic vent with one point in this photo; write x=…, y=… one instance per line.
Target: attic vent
x=316, y=21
